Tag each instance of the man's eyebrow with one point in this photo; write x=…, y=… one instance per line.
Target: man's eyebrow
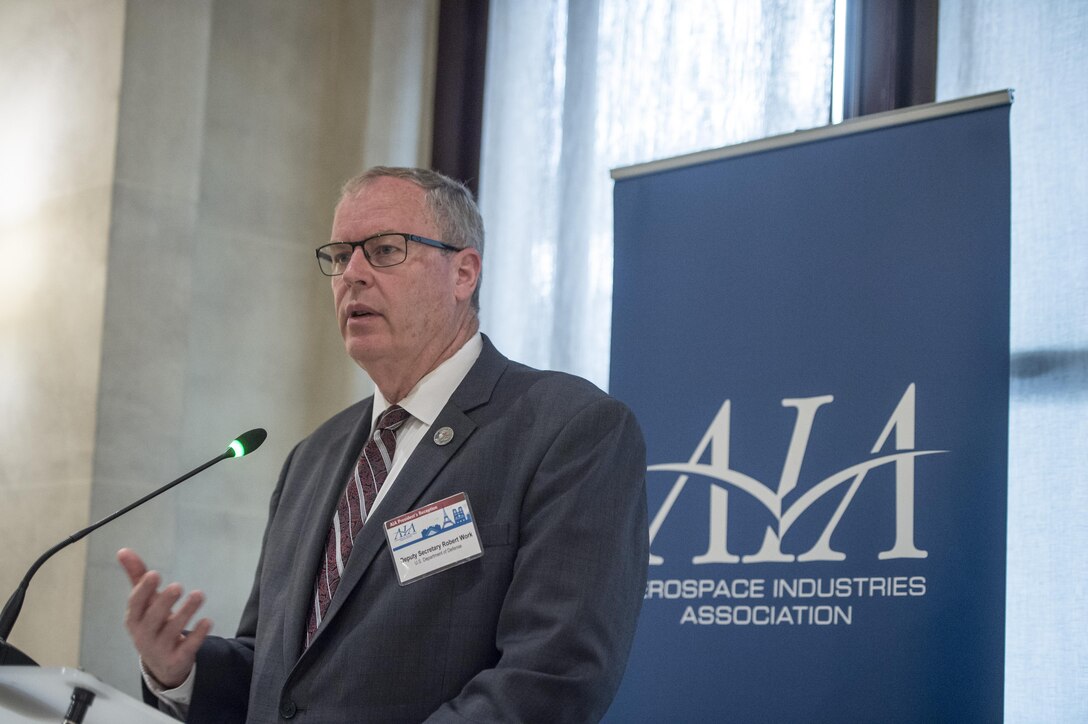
x=368, y=236
x=383, y=233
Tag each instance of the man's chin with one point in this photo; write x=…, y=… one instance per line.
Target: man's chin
x=363, y=351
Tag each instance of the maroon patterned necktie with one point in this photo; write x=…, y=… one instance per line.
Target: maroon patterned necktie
x=363, y=485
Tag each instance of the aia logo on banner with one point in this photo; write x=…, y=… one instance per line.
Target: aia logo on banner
x=894, y=447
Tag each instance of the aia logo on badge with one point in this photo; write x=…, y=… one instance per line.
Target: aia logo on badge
x=405, y=531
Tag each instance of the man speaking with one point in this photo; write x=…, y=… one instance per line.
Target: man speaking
x=468, y=545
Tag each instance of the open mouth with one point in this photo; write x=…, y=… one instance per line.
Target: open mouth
x=357, y=310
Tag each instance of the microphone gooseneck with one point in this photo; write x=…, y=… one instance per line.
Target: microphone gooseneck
x=244, y=444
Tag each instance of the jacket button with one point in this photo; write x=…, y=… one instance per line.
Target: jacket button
x=288, y=709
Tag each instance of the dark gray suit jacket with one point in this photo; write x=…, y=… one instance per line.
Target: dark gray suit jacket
x=536, y=630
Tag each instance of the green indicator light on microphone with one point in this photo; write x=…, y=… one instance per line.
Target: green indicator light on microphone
x=247, y=442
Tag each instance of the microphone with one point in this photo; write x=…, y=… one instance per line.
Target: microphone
x=244, y=444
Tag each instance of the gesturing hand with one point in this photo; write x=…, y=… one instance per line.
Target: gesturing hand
x=156, y=628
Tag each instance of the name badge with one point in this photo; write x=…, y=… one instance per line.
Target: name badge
x=433, y=538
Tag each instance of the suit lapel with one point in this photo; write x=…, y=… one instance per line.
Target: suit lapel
x=426, y=462
x=327, y=483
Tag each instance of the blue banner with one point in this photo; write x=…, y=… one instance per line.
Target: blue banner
x=815, y=339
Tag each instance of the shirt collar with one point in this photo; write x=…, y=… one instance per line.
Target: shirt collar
x=431, y=393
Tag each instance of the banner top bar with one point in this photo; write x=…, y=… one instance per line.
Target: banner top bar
x=861, y=124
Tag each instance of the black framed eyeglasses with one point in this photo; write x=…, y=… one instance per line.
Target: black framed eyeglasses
x=381, y=250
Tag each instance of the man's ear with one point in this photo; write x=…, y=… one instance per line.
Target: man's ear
x=467, y=267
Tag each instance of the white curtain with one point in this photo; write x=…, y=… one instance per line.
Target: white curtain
x=577, y=88
x=1038, y=48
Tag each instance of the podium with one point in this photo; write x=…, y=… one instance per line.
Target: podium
x=34, y=694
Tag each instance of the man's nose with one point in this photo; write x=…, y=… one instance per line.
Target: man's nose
x=358, y=268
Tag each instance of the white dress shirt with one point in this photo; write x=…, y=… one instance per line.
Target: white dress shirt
x=423, y=403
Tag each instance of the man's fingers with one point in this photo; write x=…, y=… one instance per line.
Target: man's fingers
x=160, y=608
x=140, y=597
x=154, y=625
x=133, y=565
x=177, y=622
x=187, y=648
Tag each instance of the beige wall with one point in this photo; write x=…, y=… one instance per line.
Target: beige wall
x=60, y=73
x=235, y=124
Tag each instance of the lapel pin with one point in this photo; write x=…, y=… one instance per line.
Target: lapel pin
x=443, y=436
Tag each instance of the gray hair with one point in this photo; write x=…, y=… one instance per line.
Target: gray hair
x=450, y=203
